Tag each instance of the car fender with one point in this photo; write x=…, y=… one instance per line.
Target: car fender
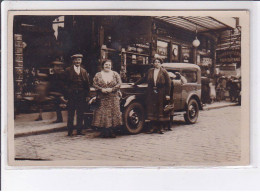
x=196, y=97
x=129, y=99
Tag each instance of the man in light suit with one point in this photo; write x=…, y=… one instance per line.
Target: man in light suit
x=76, y=90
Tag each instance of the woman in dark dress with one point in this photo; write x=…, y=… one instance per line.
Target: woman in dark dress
x=107, y=116
x=157, y=96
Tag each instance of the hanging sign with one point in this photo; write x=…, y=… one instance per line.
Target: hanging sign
x=228, y=56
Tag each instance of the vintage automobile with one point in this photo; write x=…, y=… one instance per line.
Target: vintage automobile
x=187, y=97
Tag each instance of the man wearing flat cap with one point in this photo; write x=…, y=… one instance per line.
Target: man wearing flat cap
x=77, y=89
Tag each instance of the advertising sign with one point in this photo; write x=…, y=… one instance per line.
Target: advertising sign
x=228, y=56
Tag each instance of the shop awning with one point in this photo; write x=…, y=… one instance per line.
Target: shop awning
x=202, y=24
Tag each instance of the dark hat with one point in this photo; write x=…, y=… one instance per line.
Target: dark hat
x=77, y=56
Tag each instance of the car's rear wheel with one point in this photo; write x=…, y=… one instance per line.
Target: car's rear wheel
x=134, y=118
x=192, y=112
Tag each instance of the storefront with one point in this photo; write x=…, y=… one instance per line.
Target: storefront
x=229, y=61
x=196, y=38
x=229, y=52
x=131, y=42
x=34, y=48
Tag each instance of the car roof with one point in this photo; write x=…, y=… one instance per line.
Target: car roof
x=180, y=66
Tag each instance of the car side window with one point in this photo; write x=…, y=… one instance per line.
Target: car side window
x=174, y=72
x=191, y=76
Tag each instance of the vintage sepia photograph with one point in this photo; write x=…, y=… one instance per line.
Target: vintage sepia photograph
x=128, y=88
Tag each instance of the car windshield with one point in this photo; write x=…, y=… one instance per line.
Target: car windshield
x=134, y=73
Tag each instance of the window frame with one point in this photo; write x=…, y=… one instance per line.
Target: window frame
x=188, y=78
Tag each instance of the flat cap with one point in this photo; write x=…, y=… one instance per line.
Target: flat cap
x=77, y=56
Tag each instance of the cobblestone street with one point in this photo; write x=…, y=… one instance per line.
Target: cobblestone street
x=214, y=139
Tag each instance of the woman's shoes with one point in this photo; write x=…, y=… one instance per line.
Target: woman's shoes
x=151, y=131
x=107, y=133
x=159, y=131
x=112, y=135
x=103, y=133
x=80, y=133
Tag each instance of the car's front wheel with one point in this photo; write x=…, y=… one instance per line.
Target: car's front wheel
x=134, y=118
x=192, y=112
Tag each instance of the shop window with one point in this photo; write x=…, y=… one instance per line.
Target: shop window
x=175, y=53
x=186, y=55
x=206, y=61
x=191, y=76
x=162, y=50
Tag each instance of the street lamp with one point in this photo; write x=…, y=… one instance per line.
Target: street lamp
x=196, y=42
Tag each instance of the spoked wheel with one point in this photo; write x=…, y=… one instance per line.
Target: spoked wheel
x=192, y=112
x=134, y=118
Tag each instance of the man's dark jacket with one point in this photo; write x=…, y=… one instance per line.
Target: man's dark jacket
x=68, y=79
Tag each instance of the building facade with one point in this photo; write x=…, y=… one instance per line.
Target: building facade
x=131, y=42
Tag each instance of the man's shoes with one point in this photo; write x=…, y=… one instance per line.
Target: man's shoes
x=160, y=132
x=79, y=133
x=70, y=134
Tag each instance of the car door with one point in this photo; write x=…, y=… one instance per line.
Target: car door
x=177, y=95
x=190, y=87
x=176, y=91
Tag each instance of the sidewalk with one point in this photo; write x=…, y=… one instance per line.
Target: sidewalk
x=216, y=105
x=25, y=124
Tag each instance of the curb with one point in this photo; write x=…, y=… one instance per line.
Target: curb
x=217, y=107
x=52, y=130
